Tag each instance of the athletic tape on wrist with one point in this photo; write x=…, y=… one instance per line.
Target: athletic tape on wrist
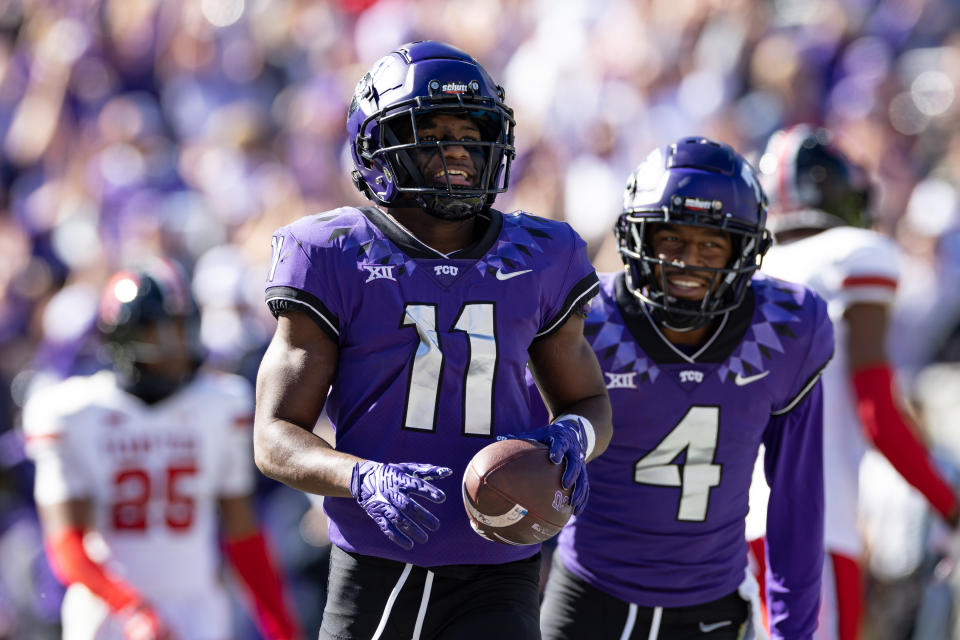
x=587, y=430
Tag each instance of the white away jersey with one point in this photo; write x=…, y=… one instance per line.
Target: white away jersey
x=846, y=266
x=153, y=472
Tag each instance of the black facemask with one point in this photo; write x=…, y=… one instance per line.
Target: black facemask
x=153, y=387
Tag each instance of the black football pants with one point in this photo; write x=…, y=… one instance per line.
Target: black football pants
x=575, y=610
x=375, y=599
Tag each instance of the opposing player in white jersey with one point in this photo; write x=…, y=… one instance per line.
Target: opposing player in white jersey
x=819, y=217
x=135, y=469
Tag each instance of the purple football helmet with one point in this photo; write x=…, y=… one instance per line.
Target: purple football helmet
x=698, y=182
x=396, y=97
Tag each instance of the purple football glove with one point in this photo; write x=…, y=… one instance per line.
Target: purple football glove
x=387, y=491
x=567, y=441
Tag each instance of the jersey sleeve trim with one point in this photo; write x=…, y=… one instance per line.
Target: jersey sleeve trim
x=807, y=386
x=588, y=287
x=280, y=299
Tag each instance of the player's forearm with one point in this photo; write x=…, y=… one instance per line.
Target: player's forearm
x=251, y=559
x=71, y=564
x=795, y=515
x=296, y=457
x=292, y=384
x=887, y=428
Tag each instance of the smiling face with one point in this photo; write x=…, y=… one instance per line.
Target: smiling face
x=693, y=247
x=460, y=160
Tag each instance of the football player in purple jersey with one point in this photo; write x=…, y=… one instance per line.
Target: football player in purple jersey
x=411, y=323
x=704, y=359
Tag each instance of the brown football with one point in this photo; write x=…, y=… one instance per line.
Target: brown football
x=512, y=493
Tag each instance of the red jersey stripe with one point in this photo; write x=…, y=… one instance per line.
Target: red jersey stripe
x=42, y=436
x=869, y=281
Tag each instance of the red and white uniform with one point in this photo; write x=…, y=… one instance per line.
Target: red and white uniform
x=154, y=474
x=846, y=266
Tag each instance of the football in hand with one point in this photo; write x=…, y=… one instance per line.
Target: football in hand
x=512, y=493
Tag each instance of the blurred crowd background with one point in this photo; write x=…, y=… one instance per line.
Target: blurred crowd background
x=192, y=128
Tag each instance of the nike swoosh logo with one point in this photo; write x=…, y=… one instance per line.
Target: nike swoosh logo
x=707, y=628
x=742, y=380
x=506, y=276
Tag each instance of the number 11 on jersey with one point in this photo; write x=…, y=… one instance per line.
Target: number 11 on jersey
x=476, y=320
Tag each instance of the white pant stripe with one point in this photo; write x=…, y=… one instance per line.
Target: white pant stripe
x=423, y=606
x=655, y=623
x=631, y=621
x=393, y=598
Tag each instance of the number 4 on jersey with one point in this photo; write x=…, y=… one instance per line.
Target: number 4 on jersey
x=695, y=434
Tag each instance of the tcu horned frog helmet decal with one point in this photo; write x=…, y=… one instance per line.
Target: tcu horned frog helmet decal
x=692, y=182
x=391, y=105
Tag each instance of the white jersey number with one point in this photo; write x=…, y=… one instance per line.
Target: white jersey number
x=695, y=435
x=276, y=244
x=423, y=389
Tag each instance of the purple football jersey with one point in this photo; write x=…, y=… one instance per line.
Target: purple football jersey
x=664, y=525
x=433, y=348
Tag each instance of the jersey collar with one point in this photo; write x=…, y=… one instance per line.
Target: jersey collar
x=415, y=248
x=718, y=347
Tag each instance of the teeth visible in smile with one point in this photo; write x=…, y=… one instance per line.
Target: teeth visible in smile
x=452, y=172
x=685, y=284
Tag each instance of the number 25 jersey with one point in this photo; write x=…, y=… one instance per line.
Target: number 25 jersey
x=152, y=472
x=432, y=348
